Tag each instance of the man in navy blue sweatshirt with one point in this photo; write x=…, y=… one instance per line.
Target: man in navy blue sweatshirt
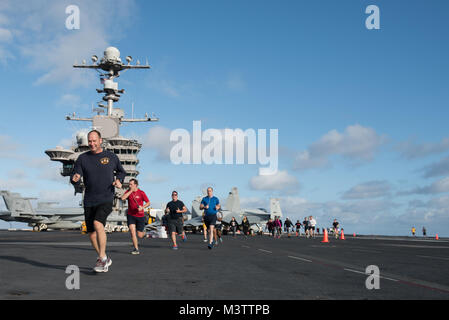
x=102, y=172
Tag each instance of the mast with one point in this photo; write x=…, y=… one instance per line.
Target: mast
x=109, y=68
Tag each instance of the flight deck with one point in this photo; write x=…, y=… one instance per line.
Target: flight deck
x=33, y=265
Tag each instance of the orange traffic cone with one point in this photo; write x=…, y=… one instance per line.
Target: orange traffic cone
x=325, y=239
x=436, y=238
x=342, y=235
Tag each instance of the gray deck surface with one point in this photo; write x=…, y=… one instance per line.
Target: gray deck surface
x=33, y=265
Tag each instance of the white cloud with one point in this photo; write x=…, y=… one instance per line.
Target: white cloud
x=5, y=35
x=357, y=143
x=370, y=189
x=439, y=186
x=8, y=149
x=17, y=179
x=434, y=213
x=71, y=102
x=39, y=33
x=280, y=181
x=158, y=139
x=235, y=82
x=153, y=178
x=411, y=150
x=436, y=169
x=167, y=87
x=64, y=196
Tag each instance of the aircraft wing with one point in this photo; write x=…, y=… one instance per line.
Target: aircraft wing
x=257, y=216
x=63, y=212
x=194, y=222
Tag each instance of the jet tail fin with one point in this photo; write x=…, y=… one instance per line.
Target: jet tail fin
x=233, y=201
x=16, y=204
x=196, y=212
x=275, y=208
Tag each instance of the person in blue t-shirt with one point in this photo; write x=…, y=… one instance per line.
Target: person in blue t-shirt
x=210, y=205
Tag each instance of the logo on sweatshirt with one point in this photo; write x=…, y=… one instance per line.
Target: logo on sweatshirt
x=104, y=160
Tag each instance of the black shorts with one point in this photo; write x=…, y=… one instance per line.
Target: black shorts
x=210, y=220
x=99, y=213
x=175, y=225
x=138, y=221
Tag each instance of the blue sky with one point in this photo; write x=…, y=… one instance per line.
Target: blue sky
x=361, y=114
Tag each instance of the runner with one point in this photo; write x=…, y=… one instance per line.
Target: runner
x=298, y=228
x=175, y=221
x=312, y=226
x=269, y=226
x=136, y=214
x=335, y=225
x=278, y=227
x=288, y=224
x=102, y=172
x=305, y=223
x=211, y=205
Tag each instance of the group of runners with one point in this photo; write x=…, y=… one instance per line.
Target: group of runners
x=102, y=172
x=274, y=227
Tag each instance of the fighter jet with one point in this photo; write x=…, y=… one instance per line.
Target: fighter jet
x=46, y=215
x=43, y=217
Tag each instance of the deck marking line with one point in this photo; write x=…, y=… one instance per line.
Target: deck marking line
x=302, y=259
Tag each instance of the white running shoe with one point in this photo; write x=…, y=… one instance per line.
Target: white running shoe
x=102, y=266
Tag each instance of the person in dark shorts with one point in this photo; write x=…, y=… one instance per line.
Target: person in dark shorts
x=298, y=228
x=210, y=205
x=175, y=221
x=278, y=227
x=136, y=214
x=270, y=227
x=234, y=226
x=245, y=226
x=335, y=226
x=288, y=224
x=102, y=172
x=305, y=223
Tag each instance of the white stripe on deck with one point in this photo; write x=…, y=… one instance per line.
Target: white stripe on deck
x=368, y=274
x=302, y=259
x=441, y=258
